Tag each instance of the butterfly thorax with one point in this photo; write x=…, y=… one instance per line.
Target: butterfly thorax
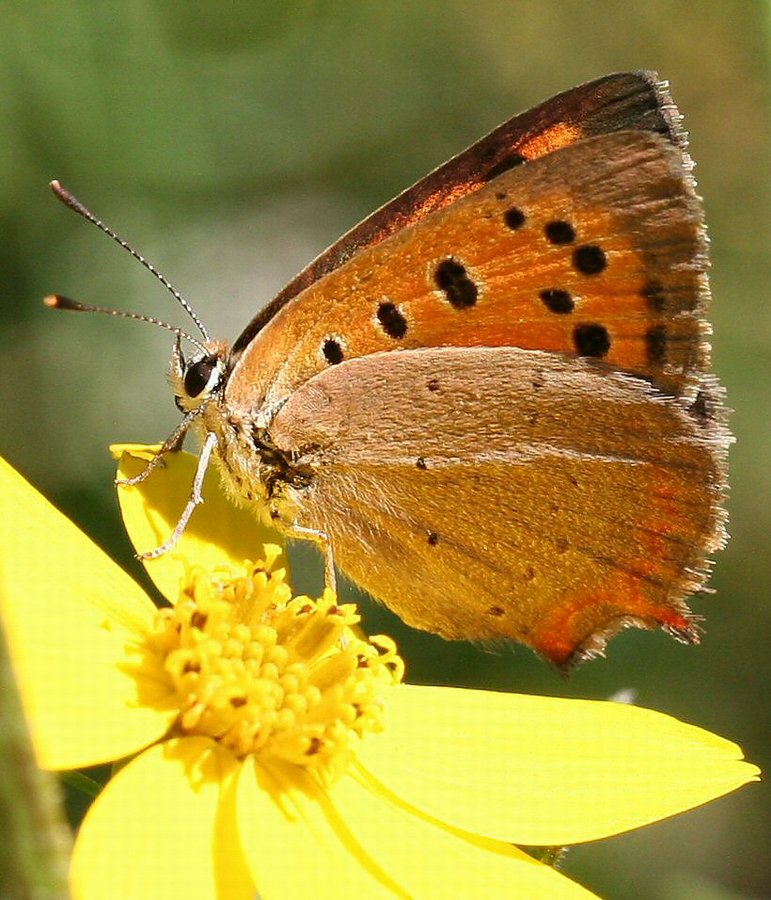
x=253, y=467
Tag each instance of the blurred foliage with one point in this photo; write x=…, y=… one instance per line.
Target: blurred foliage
x=233, y=141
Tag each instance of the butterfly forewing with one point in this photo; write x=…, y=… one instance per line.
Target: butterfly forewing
x=596, y=250
x=624, y=101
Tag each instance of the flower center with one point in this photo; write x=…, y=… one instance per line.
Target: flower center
x=263, y=672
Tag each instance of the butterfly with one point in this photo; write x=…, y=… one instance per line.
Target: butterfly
x=490, y=402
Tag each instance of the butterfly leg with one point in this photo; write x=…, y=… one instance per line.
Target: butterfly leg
x=325, y=545
x=172, y=443
x=196, y=497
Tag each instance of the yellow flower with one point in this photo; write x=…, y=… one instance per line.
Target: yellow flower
x=272, y=747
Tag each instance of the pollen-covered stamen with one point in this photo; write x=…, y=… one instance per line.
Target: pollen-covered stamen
x=266, y=673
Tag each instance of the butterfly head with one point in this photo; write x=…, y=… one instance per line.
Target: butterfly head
x=199, y=378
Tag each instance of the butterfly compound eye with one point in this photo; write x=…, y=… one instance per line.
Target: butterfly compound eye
x=202, y=377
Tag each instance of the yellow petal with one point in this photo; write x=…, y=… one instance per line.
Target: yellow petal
x=164, y=827
x=351, y=841
x=434, y=860
x=544, y=770
x=218, y=535
x=291, y=840
x=71, y=614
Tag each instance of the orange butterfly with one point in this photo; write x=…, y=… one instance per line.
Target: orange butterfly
x=490, y=402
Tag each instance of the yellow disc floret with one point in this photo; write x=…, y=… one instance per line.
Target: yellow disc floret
x=263, y=672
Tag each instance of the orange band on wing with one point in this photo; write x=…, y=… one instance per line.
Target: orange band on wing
x=551, y=139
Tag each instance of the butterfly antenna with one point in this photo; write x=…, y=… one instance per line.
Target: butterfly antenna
x=74, y=204
x=56, y=301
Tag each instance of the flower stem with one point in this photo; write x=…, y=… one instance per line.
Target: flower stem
x=34, y=849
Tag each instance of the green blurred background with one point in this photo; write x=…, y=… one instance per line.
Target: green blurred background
x=231, y=142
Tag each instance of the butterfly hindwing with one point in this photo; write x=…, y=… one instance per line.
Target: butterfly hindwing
x=525, y=496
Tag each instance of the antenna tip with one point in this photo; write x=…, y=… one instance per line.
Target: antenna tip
x=67, y=198
x=56, y=301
